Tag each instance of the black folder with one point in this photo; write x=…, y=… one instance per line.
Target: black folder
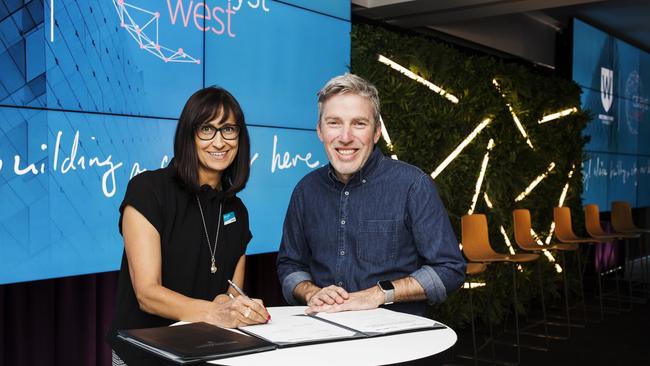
x=194, y=342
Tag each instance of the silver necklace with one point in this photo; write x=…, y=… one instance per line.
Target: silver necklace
x=213, y=251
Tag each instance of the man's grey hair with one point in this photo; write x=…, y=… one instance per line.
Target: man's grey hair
x=349, y=83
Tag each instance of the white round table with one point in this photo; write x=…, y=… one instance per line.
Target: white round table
x=367, y=351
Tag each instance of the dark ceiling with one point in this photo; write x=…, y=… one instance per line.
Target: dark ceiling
x=524, y=28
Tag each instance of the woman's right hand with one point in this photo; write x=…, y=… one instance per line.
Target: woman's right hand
x=236, y=312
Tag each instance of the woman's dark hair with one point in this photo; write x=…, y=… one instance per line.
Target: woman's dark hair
x=204, y=106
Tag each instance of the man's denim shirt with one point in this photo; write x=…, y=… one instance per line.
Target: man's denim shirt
x=386, y=223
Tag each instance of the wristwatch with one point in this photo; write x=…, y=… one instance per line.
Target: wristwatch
x=389, y=291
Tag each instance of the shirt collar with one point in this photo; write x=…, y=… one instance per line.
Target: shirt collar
x=374, y=160
x=206, y=191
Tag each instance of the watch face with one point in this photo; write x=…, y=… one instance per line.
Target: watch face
x=386, y=285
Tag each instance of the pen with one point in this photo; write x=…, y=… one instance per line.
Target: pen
x=237, y=288
x=241, y=292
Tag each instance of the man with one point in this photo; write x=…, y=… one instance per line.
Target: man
x=365, y=230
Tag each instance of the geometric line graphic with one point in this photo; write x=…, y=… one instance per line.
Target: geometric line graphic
x=142, y=33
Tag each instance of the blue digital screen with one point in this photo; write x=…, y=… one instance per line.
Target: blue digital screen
x=89, y=97
x=615, y=81
x=643, y=194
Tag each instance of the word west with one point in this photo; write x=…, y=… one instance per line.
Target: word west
x=208, y=19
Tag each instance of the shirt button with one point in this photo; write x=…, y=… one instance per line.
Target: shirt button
x=340, y=284
x=342, y=222
x=347, y=193
x=343, y=252
x=363, y=181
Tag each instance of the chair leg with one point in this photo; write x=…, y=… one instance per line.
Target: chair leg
x=471, y=311
x=600, y=293
x=582, y=285
x=618, y=294
x=514, y=288
x=633, y=277
x=646, y=278
x=644, y=267
x=566, y=295
x=490, y=327
x=582, y=302
x=491, y=340
x=630, y=270
x=541, y=290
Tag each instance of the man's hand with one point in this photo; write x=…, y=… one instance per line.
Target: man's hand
x=362, y=300
x=329, y=295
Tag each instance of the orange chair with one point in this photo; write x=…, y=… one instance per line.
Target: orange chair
x=526, y=241
x=592, y=225
x=524, y=237
x=622, y=219
x=476, y=246
x=476, y=243
x=564, y=228
x=475, y=268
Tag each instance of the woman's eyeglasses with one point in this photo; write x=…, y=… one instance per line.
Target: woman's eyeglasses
x=208, y=132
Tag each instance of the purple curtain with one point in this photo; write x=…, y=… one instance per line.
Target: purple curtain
x=64, y=321
x=58, y=321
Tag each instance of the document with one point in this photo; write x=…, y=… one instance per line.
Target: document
x=198, y=342
x=194, y=342
x=380, y=321
x=298, y=329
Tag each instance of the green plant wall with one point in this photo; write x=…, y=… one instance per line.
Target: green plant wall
x=425, y=128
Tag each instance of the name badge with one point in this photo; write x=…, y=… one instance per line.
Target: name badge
x=229, y=218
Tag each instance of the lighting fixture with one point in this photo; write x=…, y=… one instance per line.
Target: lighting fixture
x=520, y=127
x=436, y=89
x=460, y=147
x=481, y=175
x=559, y=204
x=554, y=116
x=534, y=183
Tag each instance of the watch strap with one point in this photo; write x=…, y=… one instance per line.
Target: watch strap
x=389, y=297
x=389, y=293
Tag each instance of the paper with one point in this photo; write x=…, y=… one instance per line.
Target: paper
x=291, y=329
x=378, y=321
x=297, y=329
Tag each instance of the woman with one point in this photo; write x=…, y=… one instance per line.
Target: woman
x=185, y=231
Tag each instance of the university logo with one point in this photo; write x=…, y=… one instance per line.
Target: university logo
x=606, y=87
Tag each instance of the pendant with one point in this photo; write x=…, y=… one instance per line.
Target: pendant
x=213, y=267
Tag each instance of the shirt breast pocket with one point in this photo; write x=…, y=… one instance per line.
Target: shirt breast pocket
x=377, y=241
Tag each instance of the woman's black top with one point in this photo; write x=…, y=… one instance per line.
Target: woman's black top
x=161, y=197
